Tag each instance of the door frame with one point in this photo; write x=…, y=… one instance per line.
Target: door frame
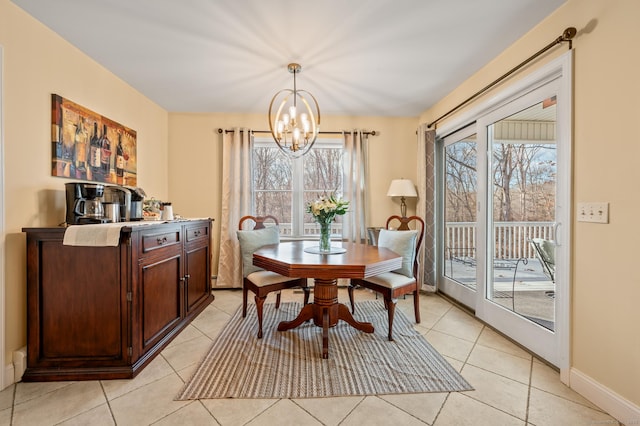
x=4, y=371
x=559, y=68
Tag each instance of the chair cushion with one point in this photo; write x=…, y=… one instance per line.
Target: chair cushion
x=402, y=243
x=391, y=280
x=252, y=240
x=264, y=278
x=549, y=250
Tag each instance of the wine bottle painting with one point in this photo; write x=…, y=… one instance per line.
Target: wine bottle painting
x=88, y=146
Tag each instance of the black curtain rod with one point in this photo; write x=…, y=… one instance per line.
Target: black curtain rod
x=566, y=36
x=372, y=133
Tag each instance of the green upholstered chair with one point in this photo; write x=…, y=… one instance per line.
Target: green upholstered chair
x=264, y=231
x=404, y=280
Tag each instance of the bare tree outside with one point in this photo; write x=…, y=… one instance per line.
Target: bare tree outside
x=524, y=182
x=461, y=181
x=274, y=175
x=322, y=176
x=540, y=185
x=523, y=178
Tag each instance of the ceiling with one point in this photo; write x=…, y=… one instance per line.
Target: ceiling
x=374, y=57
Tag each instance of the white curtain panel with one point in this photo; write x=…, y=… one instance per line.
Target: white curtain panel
x=426, y=205
x=236, y=202
x=355, y=173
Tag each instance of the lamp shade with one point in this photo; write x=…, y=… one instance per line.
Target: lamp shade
x=402, y=188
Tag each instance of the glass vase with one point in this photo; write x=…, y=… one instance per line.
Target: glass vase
x=325, y=237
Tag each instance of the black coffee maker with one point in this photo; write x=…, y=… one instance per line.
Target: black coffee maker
x=84, y=203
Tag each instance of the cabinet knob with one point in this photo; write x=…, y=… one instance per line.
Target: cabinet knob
x=161, y=240
x=197, y=233
x=187, y=276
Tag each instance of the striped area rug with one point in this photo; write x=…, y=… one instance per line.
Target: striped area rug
x=289, y=364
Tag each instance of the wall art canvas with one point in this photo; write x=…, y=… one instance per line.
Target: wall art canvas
x=88, y=146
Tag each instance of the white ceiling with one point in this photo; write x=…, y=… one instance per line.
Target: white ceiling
x=373, y=57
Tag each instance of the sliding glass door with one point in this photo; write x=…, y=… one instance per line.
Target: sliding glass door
x=504, y=202
x=522, y=180
x=460, y=216
x=520, y=183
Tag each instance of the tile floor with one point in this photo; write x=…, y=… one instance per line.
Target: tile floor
x=511, y=386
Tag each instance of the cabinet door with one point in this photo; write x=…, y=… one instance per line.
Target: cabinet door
x=160, y=297
x=197, y=265
x=198, y=287
x=79, y=314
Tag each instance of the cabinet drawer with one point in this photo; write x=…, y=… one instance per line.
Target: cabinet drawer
x=197, y=232
x=160, y=240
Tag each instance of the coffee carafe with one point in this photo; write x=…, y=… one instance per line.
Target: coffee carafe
x=89, y=208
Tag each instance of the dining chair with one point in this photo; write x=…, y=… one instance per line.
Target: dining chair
x=264, y=231
x=402, y=281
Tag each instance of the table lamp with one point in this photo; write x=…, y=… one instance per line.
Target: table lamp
x=402, y=188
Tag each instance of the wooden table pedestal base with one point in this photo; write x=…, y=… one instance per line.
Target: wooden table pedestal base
x=326, y=312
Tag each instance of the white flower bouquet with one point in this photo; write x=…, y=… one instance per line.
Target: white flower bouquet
x=325, y=209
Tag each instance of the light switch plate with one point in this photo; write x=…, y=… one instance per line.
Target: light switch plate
x=595, y=212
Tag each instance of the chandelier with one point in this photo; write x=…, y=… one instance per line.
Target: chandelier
x=295, y=125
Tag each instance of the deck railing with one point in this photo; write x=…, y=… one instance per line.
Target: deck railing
x=511, y=238
x=311, y=229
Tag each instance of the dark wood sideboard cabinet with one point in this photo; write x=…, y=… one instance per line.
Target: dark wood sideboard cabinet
x=96, y=313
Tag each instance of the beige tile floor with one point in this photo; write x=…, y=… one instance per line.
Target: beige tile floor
x=511, y=386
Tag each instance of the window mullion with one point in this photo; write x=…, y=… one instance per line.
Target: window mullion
x=297, y=197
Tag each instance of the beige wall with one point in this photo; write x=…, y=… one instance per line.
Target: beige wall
x=605, y=288
x=38, y=63
x=196, y=149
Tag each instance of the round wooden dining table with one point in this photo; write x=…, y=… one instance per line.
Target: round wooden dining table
x=358, y=261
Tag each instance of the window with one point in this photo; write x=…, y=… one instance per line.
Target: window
x=283, y=186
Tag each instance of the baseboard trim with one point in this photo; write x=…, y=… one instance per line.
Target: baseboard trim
x=13, y=372
x=8, y=376
x=19, y=363
x=615, y=405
